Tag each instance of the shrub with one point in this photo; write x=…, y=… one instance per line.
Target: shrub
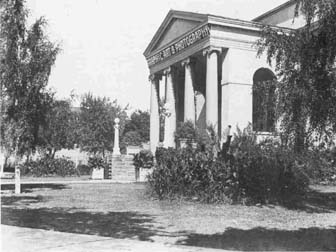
x=270, y=174
x=258, y=173
x=96, y=162
x=190, y=173
x=320, y=165
x=49, y=167
x=84, y=169
x=185, y=130
x=143, y=159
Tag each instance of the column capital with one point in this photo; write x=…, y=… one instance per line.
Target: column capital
x=151, y=77
x=167, y=71
x=154, y=77
x=188, y=61
x=207, y=51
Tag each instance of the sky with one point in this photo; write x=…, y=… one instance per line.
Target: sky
x=102, y=41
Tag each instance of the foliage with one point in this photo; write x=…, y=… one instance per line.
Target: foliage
x=25, y=67
x=163, y=113
x=244, y=139
x=143, y=159
x=264, y=104
x=96, y=122
x=207, y=140
x=185, y=130
x=60, y=130
x=268, y=173
x=192, y=174
x=47, y=166
x=319, y=165
x=84, y=169
x=305, y=63
x=97, y=161
x=256, y=173
x=131, y=138
x=138, y=124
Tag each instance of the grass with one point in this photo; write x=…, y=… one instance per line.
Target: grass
x=127, y=211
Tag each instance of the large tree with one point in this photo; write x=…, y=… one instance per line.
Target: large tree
x=96, y=134
x=26, y=59
x=304, y=60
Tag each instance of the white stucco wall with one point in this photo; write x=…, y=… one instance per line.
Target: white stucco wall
x=285, y=18
x=238, y=69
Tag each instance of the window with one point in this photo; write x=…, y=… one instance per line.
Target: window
x=263, y=96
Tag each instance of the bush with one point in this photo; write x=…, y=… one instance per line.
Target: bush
x=190, y=173
x=185, y=130
x=320, y=165
x=143, y=159
x=97, y=162
x=49, y=167
x=270, y=174
x=84, y=169
x=257, y=173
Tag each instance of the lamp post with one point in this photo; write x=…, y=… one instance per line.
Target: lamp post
x=116, y=149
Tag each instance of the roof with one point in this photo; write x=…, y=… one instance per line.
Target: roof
x=209, y=18
x=202, y=19
x=273, y=11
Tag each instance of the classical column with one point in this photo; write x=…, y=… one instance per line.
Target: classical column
x=170, y=121
x=211, y=99
x=154, y=113
x=189, y=99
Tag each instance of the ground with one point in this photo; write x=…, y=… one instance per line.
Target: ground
x=127, y=211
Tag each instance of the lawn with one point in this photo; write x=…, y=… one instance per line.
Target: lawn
x=127, y=211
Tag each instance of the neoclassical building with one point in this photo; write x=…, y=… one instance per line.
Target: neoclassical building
x=203, y=68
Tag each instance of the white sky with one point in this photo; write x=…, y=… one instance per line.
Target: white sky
x=103, y=41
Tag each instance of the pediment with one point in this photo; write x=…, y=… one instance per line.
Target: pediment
x=174, y=25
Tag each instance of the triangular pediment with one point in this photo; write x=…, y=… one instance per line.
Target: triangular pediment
x=174, y=25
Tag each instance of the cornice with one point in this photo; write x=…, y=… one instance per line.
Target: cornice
x=190, y=51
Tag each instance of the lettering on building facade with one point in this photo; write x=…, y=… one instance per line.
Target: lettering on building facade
x=180, y=45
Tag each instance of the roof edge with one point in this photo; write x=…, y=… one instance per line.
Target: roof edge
x=272, y=11
x=169, y=16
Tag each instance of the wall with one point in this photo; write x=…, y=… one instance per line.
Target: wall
x=238, y=68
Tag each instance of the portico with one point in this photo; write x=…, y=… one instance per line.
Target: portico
x=206, y=64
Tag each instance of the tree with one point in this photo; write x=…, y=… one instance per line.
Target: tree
x=61, y=129
x=139, y=125
x=305, y=64
x=96, y=134
x=26, y=61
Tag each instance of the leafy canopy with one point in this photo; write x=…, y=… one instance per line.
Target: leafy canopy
x=27, y=56
x=305, y=64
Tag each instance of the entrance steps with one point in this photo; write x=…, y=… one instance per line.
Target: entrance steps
x=123, y=169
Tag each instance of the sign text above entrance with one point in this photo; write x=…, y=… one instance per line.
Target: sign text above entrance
x=183, y=43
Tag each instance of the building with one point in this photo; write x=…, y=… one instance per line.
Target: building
x=207, y=65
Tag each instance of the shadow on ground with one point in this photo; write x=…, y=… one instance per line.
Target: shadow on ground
x=261, y=239
x=20, y=200
x=28, y=188
x=134, y=225
x=130, y=225
x=316, y=202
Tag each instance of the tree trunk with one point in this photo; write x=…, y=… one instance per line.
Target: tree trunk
x=299, y=127
x=53, y=153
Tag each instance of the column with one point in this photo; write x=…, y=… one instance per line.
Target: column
x=189, y=98
x=154, y=113
x=211, y=99
x=170, y=122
